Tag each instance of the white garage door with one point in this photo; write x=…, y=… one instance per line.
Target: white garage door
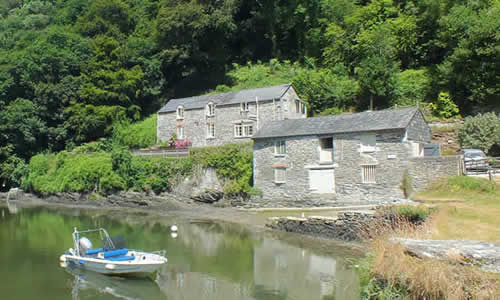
x=322, y=181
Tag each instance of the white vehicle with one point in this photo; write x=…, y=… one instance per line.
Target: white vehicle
x=475, y=160
x=112, y=258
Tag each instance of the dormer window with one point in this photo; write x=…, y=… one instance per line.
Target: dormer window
x=180, y=112
x=210, y=109
x=244, y=106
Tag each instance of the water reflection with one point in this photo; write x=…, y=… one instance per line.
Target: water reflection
x=206, y=260
x=88, y=285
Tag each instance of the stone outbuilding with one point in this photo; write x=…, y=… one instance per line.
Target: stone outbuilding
x=217, y=119
x=358, y=158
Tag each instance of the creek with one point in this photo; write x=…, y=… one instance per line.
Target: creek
x=206, y=260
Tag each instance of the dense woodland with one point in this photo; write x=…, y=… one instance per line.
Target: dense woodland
x=71, y=69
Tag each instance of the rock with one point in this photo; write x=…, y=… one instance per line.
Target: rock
x=208, y=196
x=483, y=254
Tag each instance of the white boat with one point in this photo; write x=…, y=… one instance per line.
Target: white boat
x=113, y=258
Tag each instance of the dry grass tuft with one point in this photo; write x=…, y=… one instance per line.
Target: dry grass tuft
x=417, y=278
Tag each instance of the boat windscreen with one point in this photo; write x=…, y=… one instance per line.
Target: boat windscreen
x=114, y=242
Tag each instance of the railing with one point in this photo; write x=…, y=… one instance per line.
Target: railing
x=489, y=166
x=174, y=152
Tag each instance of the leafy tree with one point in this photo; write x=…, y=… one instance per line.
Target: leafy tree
x=106, y=17
x=411, y=86
x=470, y=71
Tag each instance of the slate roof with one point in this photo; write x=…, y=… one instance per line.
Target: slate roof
x=343, y=123
x=263, y=94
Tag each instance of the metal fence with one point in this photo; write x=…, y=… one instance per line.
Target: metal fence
x=489, y=167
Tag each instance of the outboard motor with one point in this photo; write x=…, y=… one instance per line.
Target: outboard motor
x=85, y=244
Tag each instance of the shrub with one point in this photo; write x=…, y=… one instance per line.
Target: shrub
x=233, y=164
x=135, y=135
x=444, y=107
x=458, y=183
x=102, y=145
x=110, y=183
x=480, y=132
x=406, y=184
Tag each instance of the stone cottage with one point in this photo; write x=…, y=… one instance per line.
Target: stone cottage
x=217, y=119
x=340, y=159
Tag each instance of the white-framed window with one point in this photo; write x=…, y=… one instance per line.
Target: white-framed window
x=280, y=175
x=368, y=173
x=180, y=112
x=297, y=106
x=210, y=130
x=248, y=130
x=303, y=108
x=210, y=109
x=243, y=130
x=280, y=147
x=244, y=106
x=180, y=132
x=368, y=143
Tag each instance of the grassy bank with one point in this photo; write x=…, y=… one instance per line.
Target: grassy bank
x=468, y=208
x=88, y=169
x=464, y=208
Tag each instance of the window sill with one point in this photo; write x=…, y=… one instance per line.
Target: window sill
x=179, y=119
x=279, y=155
x=242, y=137
x=279, y=182
x=211, y=138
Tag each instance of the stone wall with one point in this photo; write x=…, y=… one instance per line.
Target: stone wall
x=418, y=130
x=346, y=227
x=425, y=170
x=195, y=120
x=391, y=159
x=303, y=154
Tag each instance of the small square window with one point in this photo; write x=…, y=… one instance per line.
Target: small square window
x=280, y=148
x=280, y=175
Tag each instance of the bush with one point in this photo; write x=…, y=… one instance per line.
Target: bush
x=102, y=145
x=233, y=163
x=135, y=135
x=444, y=107
x=458, y=183
x=481, y=132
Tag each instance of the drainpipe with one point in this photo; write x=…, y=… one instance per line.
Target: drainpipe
x=257, y=106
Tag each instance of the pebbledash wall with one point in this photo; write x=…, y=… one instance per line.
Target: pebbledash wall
x=226, y=116
x=394, y=153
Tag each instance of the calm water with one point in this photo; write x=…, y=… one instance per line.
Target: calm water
x=206, y=260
